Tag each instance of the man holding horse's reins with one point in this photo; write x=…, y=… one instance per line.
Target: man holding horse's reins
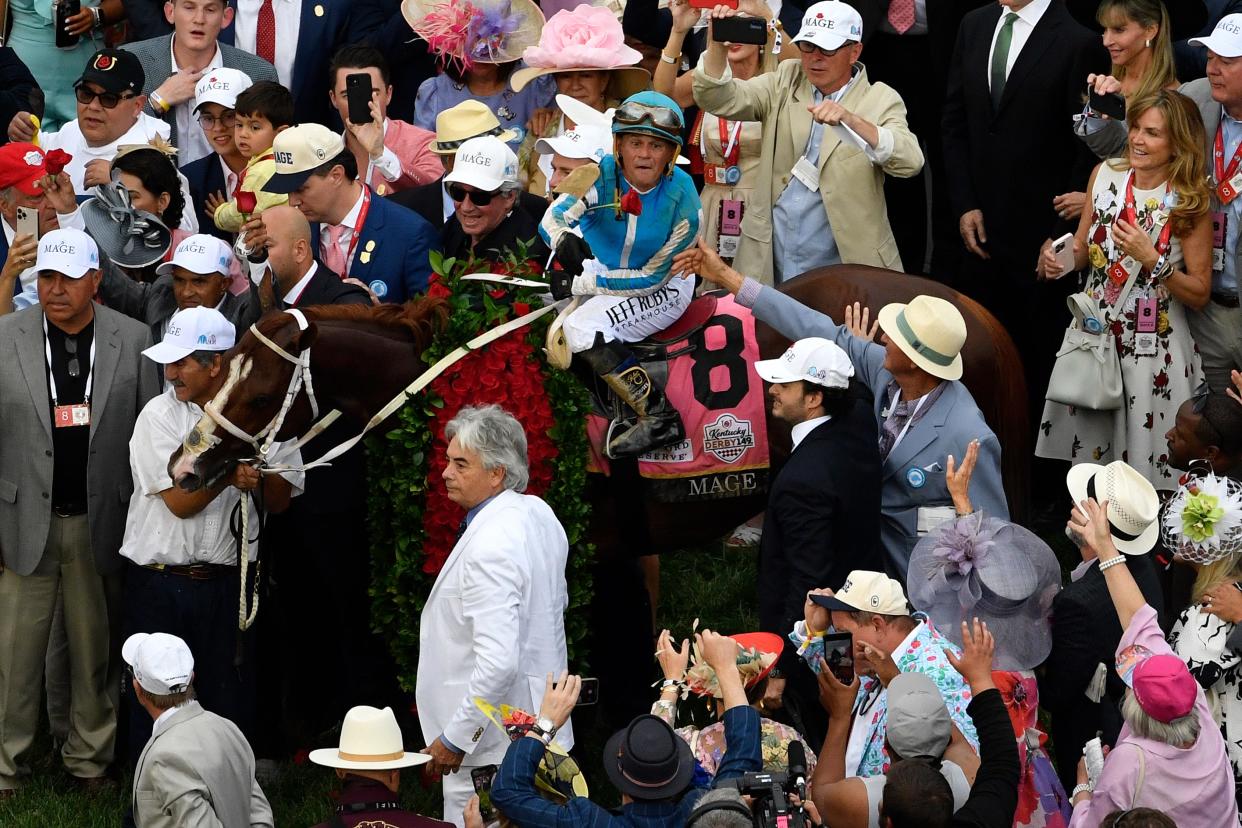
x=927, y=417
x=635, y=210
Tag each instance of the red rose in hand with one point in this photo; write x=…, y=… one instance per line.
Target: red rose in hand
x=631, y=203
x=246, y=202
x=56, y=161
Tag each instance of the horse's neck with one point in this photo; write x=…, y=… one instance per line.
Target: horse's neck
x=358, y=368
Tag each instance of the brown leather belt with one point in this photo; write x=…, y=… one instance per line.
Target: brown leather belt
x=196, y=572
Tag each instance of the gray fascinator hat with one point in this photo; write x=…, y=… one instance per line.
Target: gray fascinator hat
x=129, y=237
x=990, y=569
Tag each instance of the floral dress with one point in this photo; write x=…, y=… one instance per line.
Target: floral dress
x=1200, y=640
x=708, y=744
x=1042, y=802
x=1153, y=385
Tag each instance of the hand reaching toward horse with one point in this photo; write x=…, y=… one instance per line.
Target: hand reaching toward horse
x=857, y=318
x=707, y=263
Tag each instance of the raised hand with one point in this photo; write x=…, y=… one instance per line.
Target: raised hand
x=673, y=661
x=975, y=662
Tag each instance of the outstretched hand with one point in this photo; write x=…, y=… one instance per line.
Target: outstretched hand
x=957, y=478
x=975, y=662
x=673, y=660
x=707, y=263
x=857, y=321
x=1089, y=520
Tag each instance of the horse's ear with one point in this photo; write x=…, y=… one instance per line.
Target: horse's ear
x=267, y=291
x=307, y=337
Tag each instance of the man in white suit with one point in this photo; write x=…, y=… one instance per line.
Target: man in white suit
x=197, y=770
x=493, y=626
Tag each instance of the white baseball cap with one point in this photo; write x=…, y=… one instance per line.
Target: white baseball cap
x=67, y=251
x=484, y=163
x=200, y=254
x=865, y=591
x=830, y=25
x=813, y=359
x=1226, y=39
x=298, y=151
x=589, y=141
x=162, y=663
x=190, y=330
x=221, y=86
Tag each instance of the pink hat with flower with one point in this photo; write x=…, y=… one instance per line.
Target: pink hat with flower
x=584, y=39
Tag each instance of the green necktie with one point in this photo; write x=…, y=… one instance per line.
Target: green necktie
x=1000, y=58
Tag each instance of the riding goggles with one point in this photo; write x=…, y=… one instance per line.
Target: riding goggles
x=633, y=113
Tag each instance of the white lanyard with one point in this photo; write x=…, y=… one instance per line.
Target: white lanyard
x=893, y=410
x=733, y=133
x=51, y=374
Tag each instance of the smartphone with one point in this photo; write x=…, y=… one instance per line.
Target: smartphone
x=64, y=10
x=839, y=653
x=27, y=223
x=589, y=694
x=358, y=92
x=711, y=4
x=740, y=30
x=482, y=779
x=1063, y=249
x=1113, y=104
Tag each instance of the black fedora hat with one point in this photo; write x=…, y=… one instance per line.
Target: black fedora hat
x=1186, y=17
x=648, y=760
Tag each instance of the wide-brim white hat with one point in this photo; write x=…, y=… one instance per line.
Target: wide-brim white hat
x=929, y=330
x=1133, y=505
x=370, y=740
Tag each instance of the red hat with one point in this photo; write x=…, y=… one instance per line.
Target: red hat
x=21, y=165
x=1161, y=683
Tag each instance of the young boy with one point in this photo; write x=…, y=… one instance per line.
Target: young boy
x=263, y=111
x=215, y=175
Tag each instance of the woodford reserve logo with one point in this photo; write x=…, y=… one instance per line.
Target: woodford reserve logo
x=728, y=438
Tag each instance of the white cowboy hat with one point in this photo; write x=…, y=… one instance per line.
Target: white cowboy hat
x=370, y=740
x=929, y=330
x=1133, y=505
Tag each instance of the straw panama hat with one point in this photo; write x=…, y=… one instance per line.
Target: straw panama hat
x=1133, y=505
x=588, y=38
x=370, y=740
x=930, y=331
x=468, y=119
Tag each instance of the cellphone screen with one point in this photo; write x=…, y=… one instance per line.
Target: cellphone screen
x=482, y=779
x=839, y=653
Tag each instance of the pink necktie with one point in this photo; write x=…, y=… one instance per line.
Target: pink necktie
x=333, y=256
x=901, y=15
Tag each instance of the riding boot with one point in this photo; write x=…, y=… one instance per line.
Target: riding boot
x=658, y=422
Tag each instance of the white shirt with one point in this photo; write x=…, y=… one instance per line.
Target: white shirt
x=1028, y=16
x=295, y=292
x=153, y=534
x=163, y=720
x=191, y=140
x=449, y=207
x=798, y=433
x=389, y=165
x=351, y=222
x=859, y=729
x=288, y=15
x=71, y=140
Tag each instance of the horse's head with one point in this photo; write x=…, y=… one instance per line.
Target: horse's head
x=258, y=402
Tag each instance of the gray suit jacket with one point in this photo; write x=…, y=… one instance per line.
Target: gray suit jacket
x=156, y=57
x=154, y=302
x=197, y=772
x=121, y=387
x=947, y=428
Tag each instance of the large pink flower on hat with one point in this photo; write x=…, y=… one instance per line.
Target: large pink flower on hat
x=589, y=37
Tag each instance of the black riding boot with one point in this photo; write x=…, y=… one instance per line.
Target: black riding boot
x=658, y=422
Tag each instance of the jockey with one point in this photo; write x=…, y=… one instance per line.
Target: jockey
x=635, y=212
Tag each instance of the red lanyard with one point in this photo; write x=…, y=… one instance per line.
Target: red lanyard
x=1130, y=213
x=731, y=154
x=1223, y=176
x=357, y=232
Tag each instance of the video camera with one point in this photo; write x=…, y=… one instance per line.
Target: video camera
x=770, y=793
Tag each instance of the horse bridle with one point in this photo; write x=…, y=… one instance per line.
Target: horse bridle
x=197, y=442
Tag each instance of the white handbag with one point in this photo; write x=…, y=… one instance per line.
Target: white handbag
x=1087, y=373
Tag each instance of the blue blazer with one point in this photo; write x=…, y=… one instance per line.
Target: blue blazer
x=392, y=256
x=205, y=177
x=913, y=474
x=325, y=27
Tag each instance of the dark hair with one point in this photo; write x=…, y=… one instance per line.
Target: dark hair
x=344, y=159
x=359, y=56
x=267, y=99
x=916, y=795
x=1220, y=423
x=1138, y=818
x=503, y=71
x=158, y=175
x=204, y=358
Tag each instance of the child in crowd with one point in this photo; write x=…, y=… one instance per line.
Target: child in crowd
x=262, y=112
x=214, y=176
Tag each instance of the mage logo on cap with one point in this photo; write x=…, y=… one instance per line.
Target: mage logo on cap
x=213, y=83
x=283, y=157
x=1227, y=25
x=61, y=247
x=192, y=247
x=478, y=159
x=174, y=330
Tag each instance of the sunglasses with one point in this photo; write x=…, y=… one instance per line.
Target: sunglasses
x=71, y=348
x=226, y=120
x=458, y=193
x=633, y=113
x=808, y=48
x=108, y=100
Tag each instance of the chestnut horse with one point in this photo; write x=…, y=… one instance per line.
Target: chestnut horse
x=383, y=345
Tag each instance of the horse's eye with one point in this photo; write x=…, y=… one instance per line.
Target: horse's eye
x=260, y=401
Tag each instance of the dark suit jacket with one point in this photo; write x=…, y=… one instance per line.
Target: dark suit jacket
x=519, y=226
x=19, y=91
x=823, y=519
x=427, y=201
x=154, y=302
x=205, y=176
x=1085, y=633
x=326, y=288
x=1012, y=162
x=380, y=23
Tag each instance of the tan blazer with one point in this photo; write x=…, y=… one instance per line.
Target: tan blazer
x=850, y=184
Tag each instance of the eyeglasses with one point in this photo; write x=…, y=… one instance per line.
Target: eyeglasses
x=660, y=116
x=807, y=48
x=481, y=198
x=71, y=348
x=227, y=120
x=108, y=100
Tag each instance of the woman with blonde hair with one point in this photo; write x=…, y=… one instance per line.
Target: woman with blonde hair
x=1146, y=242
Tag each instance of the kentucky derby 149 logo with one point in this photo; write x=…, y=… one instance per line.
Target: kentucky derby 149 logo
x=728, y=438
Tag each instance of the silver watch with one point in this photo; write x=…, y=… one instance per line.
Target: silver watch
x=545, y=729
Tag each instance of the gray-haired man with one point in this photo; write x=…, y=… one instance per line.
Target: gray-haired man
x=493, y=626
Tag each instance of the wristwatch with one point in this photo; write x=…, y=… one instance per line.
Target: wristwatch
x=544, y=729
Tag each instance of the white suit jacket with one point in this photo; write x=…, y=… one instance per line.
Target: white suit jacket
x=494, y=625
x=198, y=772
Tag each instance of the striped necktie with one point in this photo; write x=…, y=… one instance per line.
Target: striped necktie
x=1000, y=58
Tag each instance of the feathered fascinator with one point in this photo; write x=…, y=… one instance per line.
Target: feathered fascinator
x=1202, y=522
x=464, y=33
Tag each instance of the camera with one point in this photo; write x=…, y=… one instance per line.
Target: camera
x=772, y=793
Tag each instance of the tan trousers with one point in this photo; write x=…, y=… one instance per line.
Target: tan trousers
x=1218, y=333
x=27, y=604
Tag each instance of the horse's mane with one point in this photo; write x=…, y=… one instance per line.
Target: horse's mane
x=416, y=321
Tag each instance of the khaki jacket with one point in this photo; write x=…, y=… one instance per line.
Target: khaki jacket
x=850, y=184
